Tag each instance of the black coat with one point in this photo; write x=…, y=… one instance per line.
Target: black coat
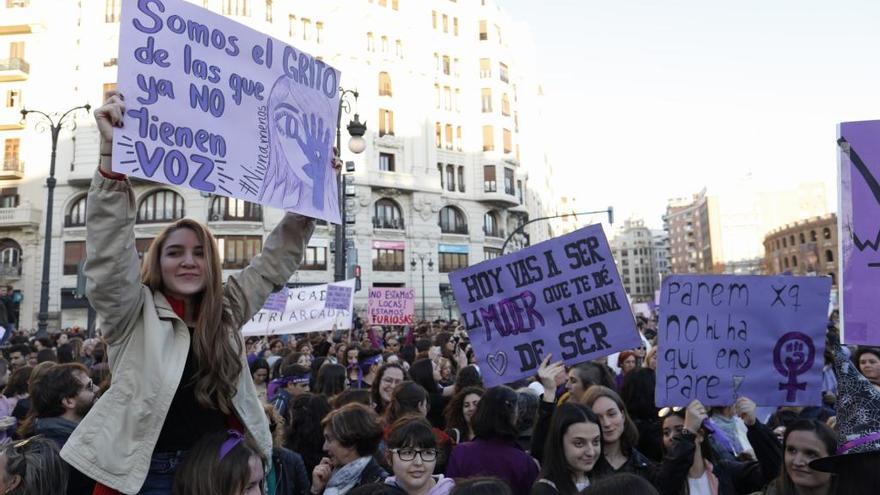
x=291, y=477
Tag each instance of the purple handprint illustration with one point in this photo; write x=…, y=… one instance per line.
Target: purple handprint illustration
x=299, y=171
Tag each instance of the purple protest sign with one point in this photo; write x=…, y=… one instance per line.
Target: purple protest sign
x=276, y=301
x=726, y=336
x=216, y=106
x=860, y=231
x=338, y=297
x=561, y=297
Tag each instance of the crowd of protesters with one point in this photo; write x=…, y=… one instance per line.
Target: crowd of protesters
x=170, y=399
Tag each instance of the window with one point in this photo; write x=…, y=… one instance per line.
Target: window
x=10, y=258
x=457, y=100
x=519, y=191
x=384, y=84
x=516, y=121
x=386, y=162
x=112, y=9
x=13, y=98
x=76, y=215
x=829, y=256
x=490, y=224
x=449, y=136
x=793, y=260
x=505, y=104
x=436, y=62
x=437, y=96
x=445, y=23
x=502, y=72
x=16, y=50
x=461, y=178
x=316, y=258
x=446, y=69
x=450, y=262
x=384, y=44
x=450, y=178
x=434, y=19
x=11, y=160
x=508, y=140
x=386, y=122
x=388, y=260
x=458, y=138
x=491, y=253
x=319, y=31
x=291, y=26
x=395, y=4
x=236, y=251
x=484, y=32
x=486, y=94
x=485, y=68
x=803, y=239
x=235, y=7
x=9, y=197
x=826, y=233
x=108, y=87
x=440, y=173
x=225, y=209
x=387, y=215
x=371, y=43
x=447, y=98
x=813, y=237
x=488, y=138
x=160, y=206
x=74, y=253
x=438, y=135
x=452, y=221
x=268, y=10
x=455, y=26
x=489, y=183
x=508, y=181
x=398, y=47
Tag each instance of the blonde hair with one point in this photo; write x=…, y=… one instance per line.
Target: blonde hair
x=216, y=342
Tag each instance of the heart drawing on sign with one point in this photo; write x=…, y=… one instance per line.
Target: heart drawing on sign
x=498, y=362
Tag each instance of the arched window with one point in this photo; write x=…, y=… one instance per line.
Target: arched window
x=793, y=260
x=826, y=233
x=802, y=238
x=452, y=221
x=225, y=209
x=829, y=256
x=160, y=206
x=76, y=215
x=490, y=224
x=505, y=104
x=387, y=215
x=384, y=84
x=791, y=240
x=10, y=258
x=813, y=235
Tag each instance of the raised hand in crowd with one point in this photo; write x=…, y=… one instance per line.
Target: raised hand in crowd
x=548, y=377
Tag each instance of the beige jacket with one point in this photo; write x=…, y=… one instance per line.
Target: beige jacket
x=148, y=343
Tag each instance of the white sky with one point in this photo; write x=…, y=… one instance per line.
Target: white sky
x=656, y=99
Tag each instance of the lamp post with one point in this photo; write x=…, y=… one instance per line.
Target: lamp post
x=54, y=122
x=609, y=211
x=422, y=258
x=356, y=144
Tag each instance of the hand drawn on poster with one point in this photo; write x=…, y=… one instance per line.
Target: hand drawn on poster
x=726, y=336
x=562, y=297
x=219, y=107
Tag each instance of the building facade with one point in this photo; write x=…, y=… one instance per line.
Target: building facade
x=805, y=247
x=662, y=266
x=633, y=250
x=694, y=234
x=453, y=163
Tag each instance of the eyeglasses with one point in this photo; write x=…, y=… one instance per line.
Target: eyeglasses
x=667, y=411
x=427, y=455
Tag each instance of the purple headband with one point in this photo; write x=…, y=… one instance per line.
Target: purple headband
x=233, y=438
x=858, y=441
x=283, y=381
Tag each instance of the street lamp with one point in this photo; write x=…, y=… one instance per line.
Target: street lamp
x=54, y=122
x=609, y=211
x=422, y=258
x=356, y=144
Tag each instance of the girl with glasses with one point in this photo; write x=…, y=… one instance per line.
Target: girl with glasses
x=412, y=454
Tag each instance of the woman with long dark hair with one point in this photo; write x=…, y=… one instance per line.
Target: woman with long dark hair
x=574, y=446
x=620, y=435
x=172, y=331
x=332, y=381
x=638, y=396
x=426, y=373
x=389, y=376
x=304, y=435
x=805, y=440
x=459, y=414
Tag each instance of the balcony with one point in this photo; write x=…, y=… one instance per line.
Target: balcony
x=499, y=233
x=14, y=69
x=10, y=119
x=12, y=169
x=19, y=17
x=496, y=198
x=387, y=223
x=21, y=216
x=10, y=271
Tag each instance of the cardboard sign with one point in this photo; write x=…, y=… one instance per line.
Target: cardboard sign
x=391, y=306
x=561, y=297
x=338, y=297
x=859, y=231
x=221, y=108
x=726, y=336
x=306, y=310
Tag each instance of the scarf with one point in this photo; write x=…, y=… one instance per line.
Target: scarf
x=345, y=478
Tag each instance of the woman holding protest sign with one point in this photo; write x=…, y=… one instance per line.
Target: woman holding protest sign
x=177, y=356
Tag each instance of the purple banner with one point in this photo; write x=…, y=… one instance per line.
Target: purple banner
x=276, y=301
x=561, y=297
x=726, y=336
x=338, y=297
x=860, y=231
